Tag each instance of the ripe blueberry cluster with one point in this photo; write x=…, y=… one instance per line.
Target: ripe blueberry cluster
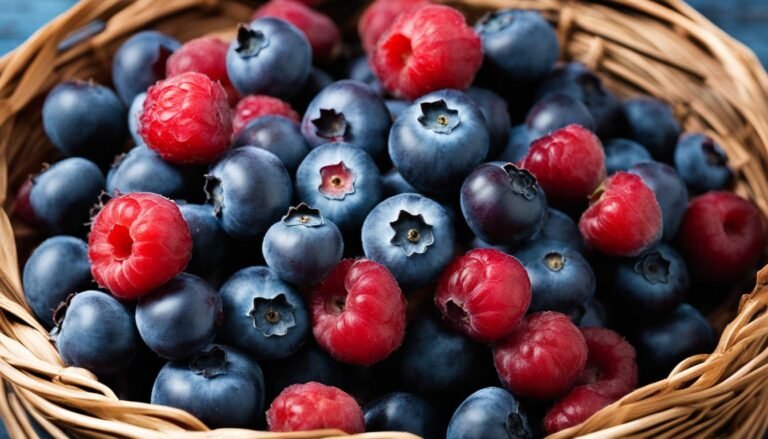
x=414, y=247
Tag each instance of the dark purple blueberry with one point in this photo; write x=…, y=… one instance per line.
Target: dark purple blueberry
x=670, y=191
x=318, y=80
x=561, y=279
x=412, y=236
x=396, y=107
x=438, y=140
x=269, y=56
x=560, y=227
x=57, y=268
x=348, y=111
x=503, y=204
x=342, y=181
x=590, y=314
x=96, y=332
x=209, y=242
x=263, y=315
x=555, y=112
x=140, y=62
x=310, y=363
x=360, y=70
x=278, y=135
x=702, y=163
x=63, y=195
x=479, y=243
x=651, y=123
x=303, y=247
x=622, y=154
x=142, y=170
x=134, y=115
x=393, y=183
x=520, y=140
x=85, y=119
x=406, y=412
x=491, y=412
x=219, y=385
x=179, y=318
x=494, y=109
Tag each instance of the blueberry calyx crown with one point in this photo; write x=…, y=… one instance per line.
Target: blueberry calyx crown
x=214, y=193
x=714, y=155
x=273, y=316
x=337, y=181
x=523, y=182
x=554, y=261
x=331, y=125
x=517, y=424
x=303, y=215
x=654, y=268
x=210, y=363
x=250, y=42
x=495, y=21
x=58, y=316
x=412, y=233
x=437, y=117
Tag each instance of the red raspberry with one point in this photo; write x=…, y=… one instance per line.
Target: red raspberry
x=187, y=119
x=484, y=294
x=543, y=357
x=426, y=49
x=722, y=236
x=320, y=30
x=206, y=55
x=23, y=209
x=569, y=164
x=379, y=16
x=315, y=406
x=138, y=242
x=358, y=312
x=251, y=107
x=624, y=218
x=611, y=373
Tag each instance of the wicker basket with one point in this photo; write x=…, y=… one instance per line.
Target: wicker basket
x=661, y=47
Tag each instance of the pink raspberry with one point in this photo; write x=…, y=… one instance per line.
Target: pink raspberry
x=320, y=30
x=206, y=55
x=379, y=16
x=315, y=406
x=251, y=107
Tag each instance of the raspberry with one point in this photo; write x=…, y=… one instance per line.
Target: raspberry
x=378, y=16
x=569, y=164
x=543, y=357
x=187, y=119
x=320, y=30
x=484, y=294
x=206, y=55
x=252, y=107
x=314, y=406
x=138, y=242
x=426, y=49
x=358, y=312
x=575, y=408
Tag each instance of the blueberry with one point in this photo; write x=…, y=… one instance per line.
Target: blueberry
x=360, y=70
x=622, y=154
x=662, y=344
x=396, y=107
x=496, y=115
x=96, y=332
x=520, y=139
x=654, y=283
x=263, y=315
x=246, y=202
x=140, y=62
x=555, y=112
x=401, y=411
x=561, y=279
x=303, y=247
x=503, y=204
x=651, y=123
x=220, y=386
x=134, y=116
x=577, y=81
x=179, y=318
x=412, y=236
x=702, y=163
x=209, y=242
x=590, y=314
x=560, y=227
x=479, y=243
x=85, y=119
x=393, y=183
x=348, y=111
x=438, y=140
x=142, y=170
x=670, y=193
x=310, y=363
x=519, y=46
x=317, y=81
x=491, y=412
x=342, y=181
x=63, y=195
x=278, y=135
x=269, y=56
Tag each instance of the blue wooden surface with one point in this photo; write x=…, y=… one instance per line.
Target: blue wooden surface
x=747, y=20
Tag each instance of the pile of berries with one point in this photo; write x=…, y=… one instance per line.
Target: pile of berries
x=459, y=236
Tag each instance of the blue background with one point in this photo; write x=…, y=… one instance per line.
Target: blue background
x=746, y=20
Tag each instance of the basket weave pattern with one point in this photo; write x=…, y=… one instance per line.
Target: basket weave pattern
x=661, y=47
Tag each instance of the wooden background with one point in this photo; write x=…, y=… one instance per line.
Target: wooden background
x=747, y=20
